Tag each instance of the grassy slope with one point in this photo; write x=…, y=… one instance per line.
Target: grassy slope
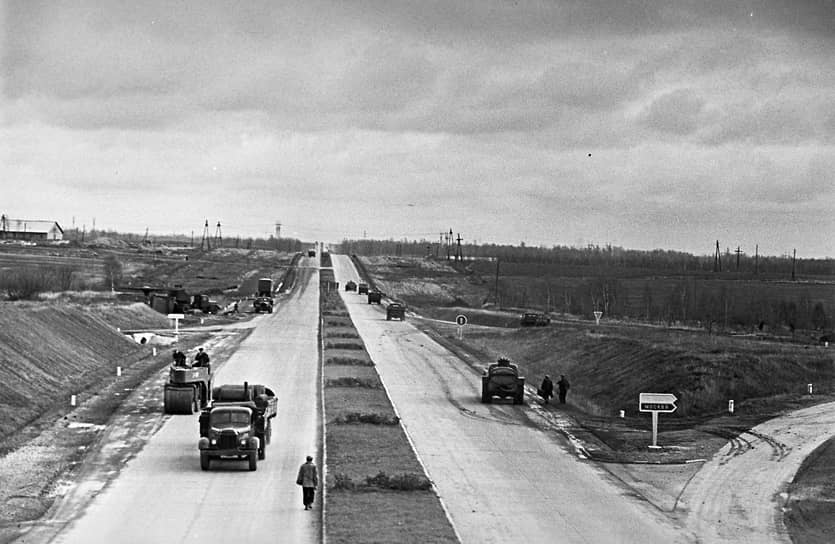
x=48, y=350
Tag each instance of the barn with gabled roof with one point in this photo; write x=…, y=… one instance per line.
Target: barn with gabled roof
x=30, y=230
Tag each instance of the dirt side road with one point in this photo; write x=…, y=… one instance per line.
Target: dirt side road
x=738, y=496
x=501, y=478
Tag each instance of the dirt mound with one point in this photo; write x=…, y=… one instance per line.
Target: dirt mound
x=50, y=351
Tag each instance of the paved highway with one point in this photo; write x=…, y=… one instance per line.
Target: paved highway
x=499, y=476
x=163, y=496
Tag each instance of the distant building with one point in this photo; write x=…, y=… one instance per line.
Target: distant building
x=29, y=230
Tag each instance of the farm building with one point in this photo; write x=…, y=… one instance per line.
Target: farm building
x=26, y=229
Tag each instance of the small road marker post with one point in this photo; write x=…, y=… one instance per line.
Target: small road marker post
x=461, y=320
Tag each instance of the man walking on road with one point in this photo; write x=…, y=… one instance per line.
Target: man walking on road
x=563, y=386
x=308, y=478
x=546, y=390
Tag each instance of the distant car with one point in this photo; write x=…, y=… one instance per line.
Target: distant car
x=311, y=253
x=395, y=310
x=533, y=319
x=375, y=297
x=362, y=289
x=350, y=286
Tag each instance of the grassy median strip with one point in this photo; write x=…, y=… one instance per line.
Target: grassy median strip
x=377, y=490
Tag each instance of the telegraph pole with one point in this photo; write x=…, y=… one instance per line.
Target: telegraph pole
x=757, y=260
x=459, y=255
x=738, y=253
x=717, y=259
x=794, y=263
x=497, y=282
x=218, y=236
x=206, y=241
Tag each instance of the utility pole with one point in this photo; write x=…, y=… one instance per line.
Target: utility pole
x=448, y=244
x=440, y=245
x=218, y=236
x=717, y=259
x=497, y=283
x=459, y=255
x=757, y=260
x=738, y=253
x=794, y=263
x=206, y=241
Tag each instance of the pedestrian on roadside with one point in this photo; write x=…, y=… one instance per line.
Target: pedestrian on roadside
x=563, y=386
x=546, y=389
x=308, y=478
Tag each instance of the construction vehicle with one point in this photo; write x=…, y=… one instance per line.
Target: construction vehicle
x=502, y=379
x=395, y=310
x=203, y=303
x=238, y=424
x=264, y=297
x=350, y=285
x=188, y=389
x=375, y=297
x=362, y=289
x=533, y=319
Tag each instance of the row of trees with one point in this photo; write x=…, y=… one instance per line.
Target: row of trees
x=681, y=301
x=600, y=258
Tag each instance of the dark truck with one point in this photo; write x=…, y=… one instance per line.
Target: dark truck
x=395, y=310
x=533, y=319
x=502, y=379
x=264, y=298
x=351, y=285
x=362, y=289
x=238, y=424
x=375, y=297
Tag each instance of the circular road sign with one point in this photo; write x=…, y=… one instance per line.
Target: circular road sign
x=461, y=320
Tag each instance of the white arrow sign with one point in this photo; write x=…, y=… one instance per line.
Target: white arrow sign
x=657, y=402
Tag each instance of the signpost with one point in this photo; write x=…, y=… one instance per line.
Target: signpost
x=461, y=320
x=656, y=403
x=176, y=318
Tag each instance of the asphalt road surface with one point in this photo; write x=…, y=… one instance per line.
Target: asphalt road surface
x=161, y=495
x=500, y=478
x=738, y=495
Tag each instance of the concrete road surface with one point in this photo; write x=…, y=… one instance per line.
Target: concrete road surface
x=162, y=496
x=738, y=495
x=500, y=478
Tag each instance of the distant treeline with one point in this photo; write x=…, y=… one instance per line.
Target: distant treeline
x=642, y=262
x=658, y=286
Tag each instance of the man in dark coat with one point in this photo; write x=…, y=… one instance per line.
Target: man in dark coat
x=563, y=386
x=202, y=358
x=546, y=390
x=308, y=478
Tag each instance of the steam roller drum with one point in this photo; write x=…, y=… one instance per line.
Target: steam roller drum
x=179, y=400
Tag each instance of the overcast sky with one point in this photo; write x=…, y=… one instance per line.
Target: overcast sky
x=644, y=124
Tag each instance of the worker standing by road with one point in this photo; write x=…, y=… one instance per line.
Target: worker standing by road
x=308, y=478
x=563, y=386
x=546, y=389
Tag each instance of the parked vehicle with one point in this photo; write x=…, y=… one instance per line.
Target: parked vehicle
x=533, y=319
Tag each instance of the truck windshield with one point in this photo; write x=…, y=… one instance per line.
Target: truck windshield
x=229, y=418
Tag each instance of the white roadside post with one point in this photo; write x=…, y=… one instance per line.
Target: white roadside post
x=731, y=406
x=176, y=318
x=597, y=315
x=656, y=403
x=461, y=320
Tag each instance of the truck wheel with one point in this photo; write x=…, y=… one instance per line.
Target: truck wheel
x=204, y=460
x=485, y=397
x=253, y=460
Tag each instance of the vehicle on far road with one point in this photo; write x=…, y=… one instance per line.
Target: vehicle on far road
x=238, y=424
x=395, y=310
x=311, y=252
x=375, y=297
x=502, y=379
x=351, y=285
x=533, y=319
x=362, y=289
